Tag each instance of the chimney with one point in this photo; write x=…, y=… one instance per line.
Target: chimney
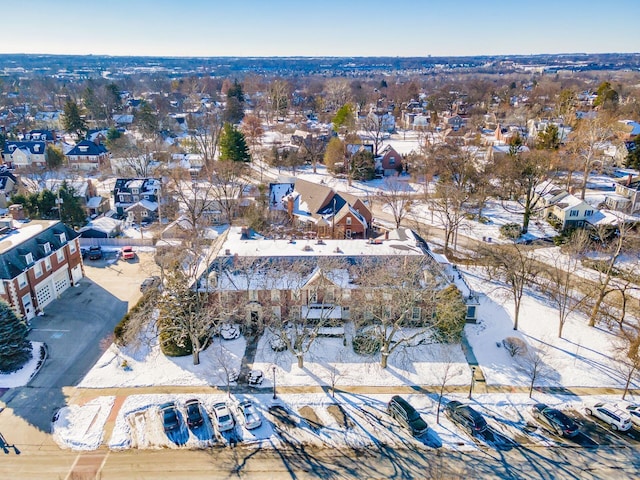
x=629, y=179
x=16, y=211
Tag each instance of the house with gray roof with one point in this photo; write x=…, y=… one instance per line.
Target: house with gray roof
x=39, y=260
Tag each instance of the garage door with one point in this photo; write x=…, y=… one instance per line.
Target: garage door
x=44, y=295
x=61, y=281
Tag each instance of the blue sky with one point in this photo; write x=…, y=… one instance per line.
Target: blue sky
x=318, y=28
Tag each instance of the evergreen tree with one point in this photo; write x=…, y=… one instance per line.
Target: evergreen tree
x=363, y=166
x=15, y=349
x=55, y=157
x=235, y=91
x=72, y=120
x=344, y=118
x=71, y=211
x=233, y=145
x=633, y=157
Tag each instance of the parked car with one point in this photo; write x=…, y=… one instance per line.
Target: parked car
x=250, y=416
x=224, y=420
x=128, y=253
x=466, y=417
x=170, y=420
x=95, y=252
x=148, y=283
x=194, y=413
x=634, y=412
x=407, y=416
x=555, y=420
x=617, y=418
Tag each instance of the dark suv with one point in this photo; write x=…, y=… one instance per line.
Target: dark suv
x=466, y=417
x=95, y=252
x=407, y=416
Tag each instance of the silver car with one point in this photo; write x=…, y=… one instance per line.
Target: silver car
x=224, y=419
x=250, y=416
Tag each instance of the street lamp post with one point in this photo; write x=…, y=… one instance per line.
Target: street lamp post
x=274, y=382
x=473, y=379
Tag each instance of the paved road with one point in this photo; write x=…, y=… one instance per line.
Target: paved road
x=75, y=328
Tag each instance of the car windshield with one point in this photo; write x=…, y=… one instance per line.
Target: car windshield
x=224, y=418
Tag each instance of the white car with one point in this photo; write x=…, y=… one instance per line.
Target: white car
x=249, y=414
x=634, y=411
x=617, y=418
x=223, y=417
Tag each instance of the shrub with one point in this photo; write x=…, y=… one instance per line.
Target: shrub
x=366, y=343
x=515, y=346
x=510, y=230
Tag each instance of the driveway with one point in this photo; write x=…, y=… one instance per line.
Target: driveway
x=77, y=329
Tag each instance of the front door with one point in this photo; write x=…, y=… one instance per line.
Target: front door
x=29, y=312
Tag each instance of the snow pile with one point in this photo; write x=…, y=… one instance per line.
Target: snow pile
x=82, y=427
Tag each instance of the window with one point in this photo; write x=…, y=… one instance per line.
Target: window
x=348, y=220
x=62, y=237
x=392, y=161
x=295, y=294
x=28, y=258
x=253, y=295
x=60, y=255
x=346, y=295
x=415, y=313
x=313, y=296
x=588, y=213
x=275, y=295
x=348, y=233
x=47, y=248
x=47, y=263
x=22, y=280
x=72, y=247
x=573, y=213
x=37, y=269
x=330, y=295
x=295, y=312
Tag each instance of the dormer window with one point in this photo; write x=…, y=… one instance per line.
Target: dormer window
x=28, y=258
x=47, y=248
x=83, y=148
x=62, y=237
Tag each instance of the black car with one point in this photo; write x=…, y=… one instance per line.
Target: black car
x=169, y=414
x=555, y=420
x=95, y=252
x=466, y=417
x=407, y=416
x=194, y=413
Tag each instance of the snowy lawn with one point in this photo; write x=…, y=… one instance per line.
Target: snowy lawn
x=145, y=365
x=329, y=362
x=582, y=358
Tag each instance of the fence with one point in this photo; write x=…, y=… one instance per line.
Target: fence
x=117, y=242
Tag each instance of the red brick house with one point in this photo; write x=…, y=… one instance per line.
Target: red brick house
x=39, y=260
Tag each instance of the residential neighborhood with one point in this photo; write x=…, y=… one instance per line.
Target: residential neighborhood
x=437, y=262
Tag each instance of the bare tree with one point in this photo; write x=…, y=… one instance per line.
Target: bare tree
x=403, y=304
x=253, y=131
x=228, y=183
x=514, y=265
x=396, y=195
x=204, y=130
x=133, y=155
x=607, y=267
x=588, y=138
x=627, y=356
x=373, y=126
x=297, y=321
x=445, y=373
x=533, y=365
x=559, y=281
